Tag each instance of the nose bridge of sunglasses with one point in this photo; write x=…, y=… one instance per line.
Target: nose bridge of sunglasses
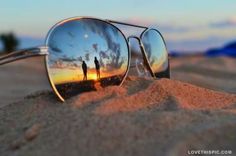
x=139, y=65
x=129, y=29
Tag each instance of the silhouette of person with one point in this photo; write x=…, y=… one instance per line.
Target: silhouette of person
x=84, y=67
x=97, y=65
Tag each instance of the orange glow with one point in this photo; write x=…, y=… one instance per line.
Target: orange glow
x=92, y=76
x=159, y=63
x=60, y=76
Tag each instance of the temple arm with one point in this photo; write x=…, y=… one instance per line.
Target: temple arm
x=22, y=54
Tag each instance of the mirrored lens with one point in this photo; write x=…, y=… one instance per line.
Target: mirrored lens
x=156, y=52
x=138, y=64
x=86, y=54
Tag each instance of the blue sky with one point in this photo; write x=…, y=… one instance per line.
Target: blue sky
x=185, y=24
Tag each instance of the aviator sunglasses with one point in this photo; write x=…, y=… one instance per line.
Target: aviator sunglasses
x=84, y=54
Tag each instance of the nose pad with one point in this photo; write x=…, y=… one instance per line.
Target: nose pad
x=140, y=69
x=138, y=66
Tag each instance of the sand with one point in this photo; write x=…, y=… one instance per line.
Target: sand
x=142, y=117
x=213, y=73
x=22, y=78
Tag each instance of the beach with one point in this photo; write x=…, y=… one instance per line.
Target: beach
x=194, y=110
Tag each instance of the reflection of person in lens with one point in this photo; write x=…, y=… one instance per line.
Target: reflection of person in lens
x=84, y=67
x=97, y=65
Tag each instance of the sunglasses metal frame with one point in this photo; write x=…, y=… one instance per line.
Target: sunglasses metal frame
x=78, y=18
x=43, y=50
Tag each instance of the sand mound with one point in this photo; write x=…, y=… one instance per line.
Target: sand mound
x=193, y=97
x=99, y=95
x=154, y=95
x=162, y=94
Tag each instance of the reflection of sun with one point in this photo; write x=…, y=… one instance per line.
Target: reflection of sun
x=92, y=76
x=86, y=36
x=63, y=75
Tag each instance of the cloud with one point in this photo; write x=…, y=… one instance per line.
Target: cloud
x=190, y=36
x=173, y=28
x=224, y=23
x=170, y=27
x=179, y=36
x=198, y=45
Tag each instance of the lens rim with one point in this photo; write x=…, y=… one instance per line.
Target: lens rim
x=73, y=19
x=141, y=40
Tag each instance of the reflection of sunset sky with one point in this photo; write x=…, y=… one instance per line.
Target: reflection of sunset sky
x=76, y=75
x=77, y=45
x=156, y=52
x=83, y=40
x=136, y=53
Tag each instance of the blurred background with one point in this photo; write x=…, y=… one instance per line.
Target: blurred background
x=188, y=26
x=200, y=36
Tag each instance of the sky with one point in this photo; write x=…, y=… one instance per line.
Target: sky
x=187, y=25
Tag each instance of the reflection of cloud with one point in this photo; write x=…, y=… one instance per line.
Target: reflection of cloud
x=65, y=62
x=101, y=63
x=148, y=50
x=68, y=59
x=57, y=64
x=75, y=65
x=55, y=49
x=102, y=29
x=103, y=55
x=71, y=45
x=65, y=58
x=80, y=59
x=110, y=58
x=87, y=57
x=95, y=47
x=71, y=34
x=104, y=42
x=115, y=61
x=62, y=63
